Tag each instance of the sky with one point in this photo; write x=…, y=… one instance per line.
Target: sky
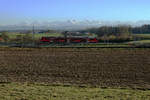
x=17, y=11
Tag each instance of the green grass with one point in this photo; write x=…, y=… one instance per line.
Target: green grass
x=105, y=45
x=140, y=42
x=25, y=91
x=146, y=36
x=37, y=36
x=13, y=35
x=88, y=45
x=140, y=39
x=48, y=35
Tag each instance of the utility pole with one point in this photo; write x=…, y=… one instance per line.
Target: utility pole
x=33, y=32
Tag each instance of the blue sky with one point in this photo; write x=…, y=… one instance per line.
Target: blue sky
x=15, y=11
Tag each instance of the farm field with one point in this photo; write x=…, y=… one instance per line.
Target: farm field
x=28, y=91
x=74, y=73
x=144, y=36
x=36, y=36
x=140, y=41
x=96, y=67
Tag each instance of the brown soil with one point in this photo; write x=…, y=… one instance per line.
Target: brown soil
x=96, y=67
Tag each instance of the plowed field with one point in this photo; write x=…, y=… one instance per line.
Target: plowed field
x=96, y=67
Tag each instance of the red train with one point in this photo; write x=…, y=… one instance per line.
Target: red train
x=68, y=40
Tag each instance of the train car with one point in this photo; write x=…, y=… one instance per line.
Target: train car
x=59, y=40
x=47, y=39
x=68, y=40
x=92, y=40
x=77, y=40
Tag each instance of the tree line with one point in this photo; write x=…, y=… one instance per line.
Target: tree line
x=119, y=30
x=145, y=29
x=120, y=33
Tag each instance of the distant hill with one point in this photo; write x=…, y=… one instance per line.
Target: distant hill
x=69, y=25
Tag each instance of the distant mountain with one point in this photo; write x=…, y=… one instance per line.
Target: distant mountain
x=68, y=24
